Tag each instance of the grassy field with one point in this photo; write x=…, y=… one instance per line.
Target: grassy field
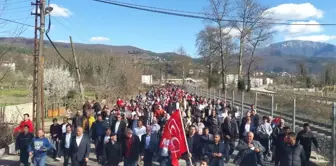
x=15, y=96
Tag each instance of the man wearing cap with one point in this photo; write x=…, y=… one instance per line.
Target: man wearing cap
x=112, y=152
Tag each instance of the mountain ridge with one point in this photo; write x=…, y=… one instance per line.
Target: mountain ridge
x=277, y=57
x=300, y=48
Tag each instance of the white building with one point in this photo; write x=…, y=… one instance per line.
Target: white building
x=10, y=65
x=232, y=79
x=147, y=79
x=256, y=82
x=268, y=81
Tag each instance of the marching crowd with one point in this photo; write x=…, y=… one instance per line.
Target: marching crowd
x=131, y=132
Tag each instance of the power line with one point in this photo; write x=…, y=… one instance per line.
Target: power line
x=11, y=2
x=198, y=13
x=59, y=22
x=12, y=21
x=51, y=42
x=138, y=7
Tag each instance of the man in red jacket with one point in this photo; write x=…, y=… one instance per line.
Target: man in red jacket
x=26, y=121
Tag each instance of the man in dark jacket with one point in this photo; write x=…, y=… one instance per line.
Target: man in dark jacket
x=205, y=138
x=23, y=141
x=56, y=135
x=279, y=144
x=79, y=148
x=119, y=127
x=230, y=134
x=98, y=131
x=131, y=148
x=194, y=142
x=96, y=107
x=149, y=145
x=112, y=152
x=108, y=118
x=306, y=138
x=294, y=154
x=65, y=143
x=77, y=120
x=249, y=151
x=255, y=120
x=217, y=152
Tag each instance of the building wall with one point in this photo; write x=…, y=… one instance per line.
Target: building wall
x=9, y=65
x=146, y=79
x=14, y=113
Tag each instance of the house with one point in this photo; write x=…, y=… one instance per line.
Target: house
x=9, y=65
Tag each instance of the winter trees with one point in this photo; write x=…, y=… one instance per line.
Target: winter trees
x=234, y=22
x=217, y=13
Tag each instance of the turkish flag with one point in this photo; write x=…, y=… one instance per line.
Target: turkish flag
x=173, y=137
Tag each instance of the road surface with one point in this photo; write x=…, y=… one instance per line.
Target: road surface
x=12, y=160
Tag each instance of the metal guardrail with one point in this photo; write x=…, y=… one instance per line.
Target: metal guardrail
x=316, y=126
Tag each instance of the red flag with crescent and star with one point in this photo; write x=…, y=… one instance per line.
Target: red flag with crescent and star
x=174, y=138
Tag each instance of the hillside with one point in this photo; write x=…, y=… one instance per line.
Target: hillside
x=277, y=57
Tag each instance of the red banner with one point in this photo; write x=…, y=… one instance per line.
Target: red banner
x=173, y=137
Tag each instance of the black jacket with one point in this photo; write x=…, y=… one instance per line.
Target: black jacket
x=77, y=121
x=96, y=106
x=153, y=143
x=231, y=130
x=121, y=129
x=73, y=135
x=82, y=151
x=98, y=129
x=23, y=141
x=56, y=130
x=109, y=120
x=306, y=139
x=135, y=148
x=293, y=156
x=219, y=148
x=194, y=145
x=112, y=153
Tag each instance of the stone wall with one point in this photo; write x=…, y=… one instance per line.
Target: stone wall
x=14, y=113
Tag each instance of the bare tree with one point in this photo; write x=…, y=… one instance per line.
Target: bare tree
x=249, y=13
x=7, y=45
x=259, y=37
x=181, y=51
x=217, y=13
x=208, y=49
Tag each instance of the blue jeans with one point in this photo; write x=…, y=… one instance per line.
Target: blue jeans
x=40, y=161
x=128, y=162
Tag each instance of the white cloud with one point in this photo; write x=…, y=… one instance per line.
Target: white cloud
x=316, y=38
x=60, y=11
x=300, y=29
x=234, y=32
x=293, y=11
x=99, y=39
x=62, y=41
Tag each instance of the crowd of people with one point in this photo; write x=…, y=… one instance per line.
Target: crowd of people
x=130, y=132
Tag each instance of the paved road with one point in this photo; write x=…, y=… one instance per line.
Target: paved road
x=12, y=160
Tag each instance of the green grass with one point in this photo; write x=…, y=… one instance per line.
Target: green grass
x=17, y=92
x=90, y=93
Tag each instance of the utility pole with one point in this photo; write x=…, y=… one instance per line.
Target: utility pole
x=81, y=88
x=333, y=138
x=40, y=73
x=160, y=75
x=38, y=84
x=183, y=74
x=36, y=60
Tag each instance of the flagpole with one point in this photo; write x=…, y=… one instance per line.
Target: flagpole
x=184, y=134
